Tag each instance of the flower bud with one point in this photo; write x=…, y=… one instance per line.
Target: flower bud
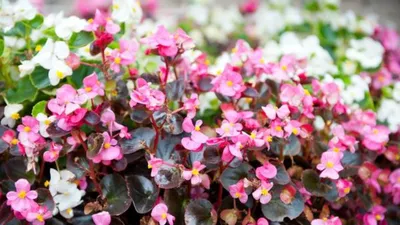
x=73, y=61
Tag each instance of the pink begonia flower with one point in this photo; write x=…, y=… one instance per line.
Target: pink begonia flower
x=67, y=100
x=262, y=221
x=294, y=127
x=29, y=129
x=287, y=194
x=101, y=20
x=266, y=171
x=267, y=137
x=161, y=215
x=341, y=138
x=232, y=150
x=37, y=215
x=108, y=119
x=195, y=176
x=255, y=64
x=109, y=151
x=183, y=40
x=381, y=79
x=151, y=98
x=277, y=129
x=272, y=111
x=9, y=137
x=102, y=218
x=163, y=41
x=330, y=165
x=262, y=193
x=395, y=178
x=284, y=69
x=23, y=198
x=191, y=104
x=331, y=93
x=237, y=191
x=87, y=8
x=229, y=126
x=344, y=187
x=197, y=139
x=74, y=119
x=293, y=95
x=154, y=164
x=256, y=138
x=53, y=153
x=376, y=138
x=376, y=215
x=92, y=87
x=229, y=83
x=125, y=55
x=388, y=37
x=240, y=52
x=326, y=221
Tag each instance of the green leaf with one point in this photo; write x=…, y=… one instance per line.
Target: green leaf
x=45, y=198
x=282, y=176
x=81, y=39
x=276, y=210
x=39, y=107
x=36, y=22
x=141, y=138
x=367, y=102
x=313, y=184
x=40, y=78
x=79, y=74
x=231, y=175
x=115, y=193
x=200, y=212
x=19, y=30
x=168, y=177
x=1, y=45
x=24, y=91
x=175, y=200
x=143, y=193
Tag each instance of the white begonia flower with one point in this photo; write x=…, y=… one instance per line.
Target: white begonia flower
x=26, y=68
x=65, y=192
x=67, y=26
x=396, y=91
x=24, y=10
x=355, y=91
x=11, y=114
x=59, y=71
x=220, y=64
x=349, y=67
x=12, y=13
x=50, y=53
x=199, y=13
x=367, y=52
x=69, y=213
x=292, y=16
x=44, y=122
x=272, y=51
x=207, y=100
x=388, y=111
x=126, y=11
x=319, y=123
x=14, y=42
x=226, y=19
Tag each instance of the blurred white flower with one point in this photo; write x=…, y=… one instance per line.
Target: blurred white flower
x=26, y=68
x=366, y=51
x=11, y=114
x=126, y=11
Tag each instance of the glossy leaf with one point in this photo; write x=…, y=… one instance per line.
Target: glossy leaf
x=168, y=177
x=92, y=118
x=175, y=89
x=95, y=143
x=24, y=91
x=231, y=175
x=276, y=210
x=173, y=124
x=39, y=107
x=16, y=169
x=45, y=198
x=313, y=184
x=282, y=176
x=81, y=39
x=200, y=212
x=139, y=114
x=174, y=199
x=54, y=131
x=115, y=193
x=166, y=148
x=143, y=193
x=40, y=77
x=142, y=137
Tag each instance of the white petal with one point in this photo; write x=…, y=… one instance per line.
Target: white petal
x=61, y=50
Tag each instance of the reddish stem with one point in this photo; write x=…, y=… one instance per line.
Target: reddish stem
x=156, y=128
x=41, y=171
x=104, y=68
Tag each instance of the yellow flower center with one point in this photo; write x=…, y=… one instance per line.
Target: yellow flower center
x=15, y=116
x=330, y=165
x=69, y=211
x=117, y=60
x=22, y=194
x=14, y=141
x=38, y=48
x=336, y=149
x=375, y=131
x=47, y=122
x=107, y=145
x=219, y=72
x=27, y=129
x=40, y=218
x=284, y=67
x=227, y=130
x=149, y=166
x=88, y=89
x=115, y=6
x=295, y=131
x=306, y=92
x=264, y=191
x=278, y=128
x=197, y=128
x=238, y=194
x=46, y=183
x=234, y=50
x=268, y=138
x=262, y=60
x=229, y=83
x=59, y=74
x=248, y=100
x=398, y=157
x=378, y=217
x=195, y=172
x=90, y=20
x=253, y=135
x=346, y=190
x=207, y=62
x=164, y=216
